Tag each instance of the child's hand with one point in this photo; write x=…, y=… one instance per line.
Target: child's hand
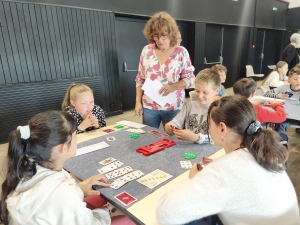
x=86, y=185
x=87, y=122
x=94, y=121
x=186, y=135
x=194, y=170
x=168, y=128
x=281, y=95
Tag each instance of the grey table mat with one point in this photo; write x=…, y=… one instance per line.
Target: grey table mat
x=124, y=150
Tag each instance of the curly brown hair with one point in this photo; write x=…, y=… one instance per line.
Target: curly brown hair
x=161, y=22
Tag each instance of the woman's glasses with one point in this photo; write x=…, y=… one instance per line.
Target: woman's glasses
x=157, y=37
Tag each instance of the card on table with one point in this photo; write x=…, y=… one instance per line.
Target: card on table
x=118, y=172
x=186, y=164
x=107, y=161
x=110, y=167
x=125, y=198
x=108, y=130
x=112, y=138
x=138, y=131
x=153, y=132
x=162, y=135
x=126, y=178
x=154, y=178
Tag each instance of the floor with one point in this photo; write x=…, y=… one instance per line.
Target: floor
x=294, y=147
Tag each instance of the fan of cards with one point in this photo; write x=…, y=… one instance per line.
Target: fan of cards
x=111, y=170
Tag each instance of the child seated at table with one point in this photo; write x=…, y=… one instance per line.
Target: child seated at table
x=190, y=124
x=221, y=70
x=246, y=87
x=79, y=101
x=243, y=185
x=291, y=90
x=37, y=190
x=276, y=78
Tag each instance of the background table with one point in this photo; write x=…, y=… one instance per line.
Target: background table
x=124, y=149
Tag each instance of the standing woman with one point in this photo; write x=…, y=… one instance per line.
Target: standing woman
x=166, y=62
x=290, y=54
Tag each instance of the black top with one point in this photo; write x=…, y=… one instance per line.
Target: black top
x=290, y=56
x=97, y=111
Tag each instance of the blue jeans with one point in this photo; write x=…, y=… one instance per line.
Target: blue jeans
x=281, y=127
x=153, y=118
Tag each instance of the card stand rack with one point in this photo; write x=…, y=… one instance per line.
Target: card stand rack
x=155, y=147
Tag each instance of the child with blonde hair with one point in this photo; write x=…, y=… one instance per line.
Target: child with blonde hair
x=79, y=101
x=276, y=78
x=190, y=124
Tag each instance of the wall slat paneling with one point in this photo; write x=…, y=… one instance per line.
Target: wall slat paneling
x=43, y=49
x=199, y=44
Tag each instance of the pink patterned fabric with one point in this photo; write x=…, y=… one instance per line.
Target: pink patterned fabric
x=177, y=67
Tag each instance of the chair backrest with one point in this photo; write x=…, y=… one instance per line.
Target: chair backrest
x=249, y=70
x=192, y=96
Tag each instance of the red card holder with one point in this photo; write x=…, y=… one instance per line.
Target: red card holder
x=149, y=150
x=165, y=142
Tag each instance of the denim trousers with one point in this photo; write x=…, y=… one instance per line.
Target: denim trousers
x=153, y=118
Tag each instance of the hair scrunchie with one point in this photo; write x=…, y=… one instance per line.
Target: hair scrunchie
x=253, y=127
x=25, y=131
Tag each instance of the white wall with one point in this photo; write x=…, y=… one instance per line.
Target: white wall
x=294, y=3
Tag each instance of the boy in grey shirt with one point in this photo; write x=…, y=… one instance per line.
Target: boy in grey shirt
x=190, y=124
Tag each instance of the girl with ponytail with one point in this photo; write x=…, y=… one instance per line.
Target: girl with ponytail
x=248, y=185
x=37, y=189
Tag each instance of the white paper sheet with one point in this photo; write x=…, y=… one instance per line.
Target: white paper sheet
x=151, y=88
x=131, y=124
x=257, y=98
x=91, y=148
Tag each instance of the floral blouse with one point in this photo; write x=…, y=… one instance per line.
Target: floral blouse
x=97, y=111
x=177, y=67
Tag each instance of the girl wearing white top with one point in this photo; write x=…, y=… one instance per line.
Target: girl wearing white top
x=276, y=78
x=248, y=185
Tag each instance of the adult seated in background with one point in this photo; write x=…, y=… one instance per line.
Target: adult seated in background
x=290, y=54
x=276, y=78
x=166, y=62
x=37, y=190
x=248, y=185
x=246, y=87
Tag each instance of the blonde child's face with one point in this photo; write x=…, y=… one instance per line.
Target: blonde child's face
x=283, y=70
x=295, y=81
x=205, y=93
x=222, y=75
x=84, y=103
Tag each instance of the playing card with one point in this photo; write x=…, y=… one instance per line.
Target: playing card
x=186, y=164
x=153, y=132
x=118, y=172
x=132, y=176
x=108, y=130
x=112, y=138
x=107, y=161
x=110, y=167
x=162, y=135
x=125, y=198
x=118, y=183
x=154, y=178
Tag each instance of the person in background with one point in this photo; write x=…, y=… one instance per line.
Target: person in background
x=243, y=185
x=276, y=78
x=79, y=101
x=222, y=71
x=290, y=54
x=246, y=87
x=190, y=124
x=166, y=62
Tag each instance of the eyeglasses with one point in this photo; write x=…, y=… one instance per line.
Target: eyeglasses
x=157, y=37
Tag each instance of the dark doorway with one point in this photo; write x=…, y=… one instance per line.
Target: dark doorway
x=130, y=41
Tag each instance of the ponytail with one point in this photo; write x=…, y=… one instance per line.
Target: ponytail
x=18, y=167
x=280, y=64
x=264, y=146
x=66, y=101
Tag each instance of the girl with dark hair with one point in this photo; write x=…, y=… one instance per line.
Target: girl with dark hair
x=37, y=189
x=248, y=185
